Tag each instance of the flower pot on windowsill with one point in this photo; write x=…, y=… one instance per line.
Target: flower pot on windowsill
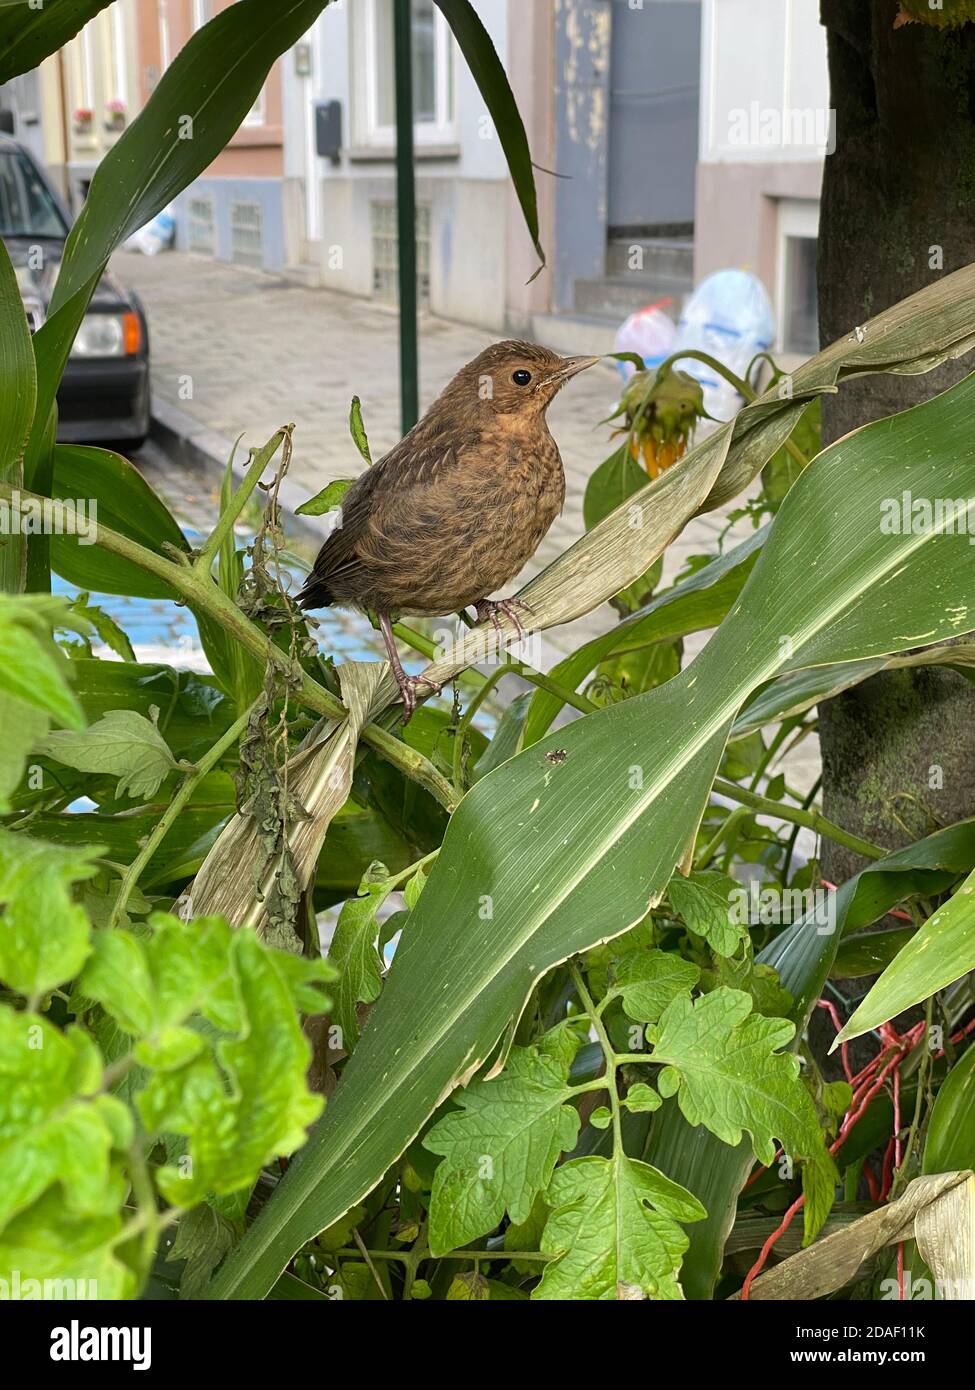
x=82, y=123
x=115, y=122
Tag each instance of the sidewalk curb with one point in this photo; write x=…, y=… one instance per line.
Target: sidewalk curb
x=195, y=445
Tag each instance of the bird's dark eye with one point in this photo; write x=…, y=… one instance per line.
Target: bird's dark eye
x=521, y=377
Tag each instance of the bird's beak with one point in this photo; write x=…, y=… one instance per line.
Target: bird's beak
x=572, y=365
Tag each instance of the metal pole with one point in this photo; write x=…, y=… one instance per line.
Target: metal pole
x=406, y=215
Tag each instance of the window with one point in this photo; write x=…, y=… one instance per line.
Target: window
x=201, y=233
x=796, y=277
x=246, y=237
x=255, y=115
x=800, y=316
x=385, y=253
x=26, y=206
x=433, y=78
x=119, y=58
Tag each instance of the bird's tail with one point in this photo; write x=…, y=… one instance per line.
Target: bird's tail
x=315, y=594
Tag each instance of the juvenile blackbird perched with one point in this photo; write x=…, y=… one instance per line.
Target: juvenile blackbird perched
x=457, y=507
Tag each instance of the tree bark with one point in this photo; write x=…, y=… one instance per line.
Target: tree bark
x=898, y=210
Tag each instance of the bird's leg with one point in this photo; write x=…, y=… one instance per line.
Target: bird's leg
x=491, y=607
x=407, y=684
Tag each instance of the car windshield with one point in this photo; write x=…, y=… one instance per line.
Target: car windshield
x=26, y=205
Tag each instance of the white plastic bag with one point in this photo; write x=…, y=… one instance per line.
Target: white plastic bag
x=649, y=333
x=155, y=236
x=729, y=317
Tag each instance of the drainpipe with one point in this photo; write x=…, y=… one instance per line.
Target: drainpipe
x=65, y=131
x=406, y=214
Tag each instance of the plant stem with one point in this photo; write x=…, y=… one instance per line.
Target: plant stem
x=189, y=784
x=812, y=820
x=404, y=1255
x=406, y=874
x=901, y=1176
x=711, y=848
x=608, y=1082
x=464, y=723
x=565, y=693
x=260, y=458
x=790, y=848
x=372, y=1268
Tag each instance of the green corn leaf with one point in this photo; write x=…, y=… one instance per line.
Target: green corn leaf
x=942, y=950
x=492, y=82
x=30, y=33
x=16, y=407
x=702, y=600
x=118, y=497
x=949, y=1144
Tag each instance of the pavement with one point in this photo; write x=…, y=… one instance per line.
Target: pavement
x=236, y=351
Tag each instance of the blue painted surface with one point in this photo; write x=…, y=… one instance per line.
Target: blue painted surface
x=224, y=191
x=155, y=622
x=582, y=32
x=158, y=623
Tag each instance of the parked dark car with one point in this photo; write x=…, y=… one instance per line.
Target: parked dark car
x=104, y=393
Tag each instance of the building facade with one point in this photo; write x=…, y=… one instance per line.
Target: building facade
x=766, y=128
x=341, y=197
x=235, y=209
x=670, y=138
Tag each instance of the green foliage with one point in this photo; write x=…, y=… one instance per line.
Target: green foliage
x=36, y=878
x=122, y=743
x=327, y=500
x=725, y=1066
x=613, y=1232
x=499, y=1149
x=204, y=1082
x=353, y=951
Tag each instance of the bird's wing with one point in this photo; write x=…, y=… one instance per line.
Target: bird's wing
x=418, y=460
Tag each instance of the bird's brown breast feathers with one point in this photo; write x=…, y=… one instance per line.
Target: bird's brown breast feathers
x=446, y=518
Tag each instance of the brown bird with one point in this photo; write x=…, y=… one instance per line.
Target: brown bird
x=456, y=508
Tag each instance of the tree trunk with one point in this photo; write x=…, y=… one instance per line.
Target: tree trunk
x=898, y=210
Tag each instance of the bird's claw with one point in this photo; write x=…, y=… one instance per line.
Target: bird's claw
x=490, y=608
x=408, y=687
